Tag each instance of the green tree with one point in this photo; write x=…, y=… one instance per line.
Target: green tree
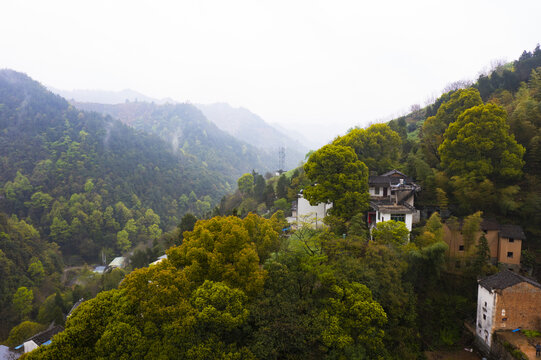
x=219, y=308
x=378, y=146
x=220, y=249
x=281, y=187
x=353, y=323
x=478, y=146
x=122, y=241
x=281, y=204
x=264, y=235
x=23, y=331
x=481, y=261
x=36, y=272
x=259, y=187
x=22, y=301
x=60, y=231
x=471, y=228
x=246, y=184
x=89, y=186
x=154, y=232
x=434, y=127
x=338, y=177
x=391, y=233
x=187, y=223
x=432, y=232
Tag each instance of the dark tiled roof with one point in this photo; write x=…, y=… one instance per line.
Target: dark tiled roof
x=390, y=207
x=505, y=279
x=46, y=335
x=388, y=179
x=490, y=225
x=512, y=231
x=393, y=172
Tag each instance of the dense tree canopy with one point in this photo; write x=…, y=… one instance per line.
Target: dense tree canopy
x=434, y=127
x=478, y=145
x=338, y=177
x=378, y=146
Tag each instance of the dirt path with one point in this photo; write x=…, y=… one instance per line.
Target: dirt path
x=67, y=270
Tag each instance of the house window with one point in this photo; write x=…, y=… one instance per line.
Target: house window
x=379, y=216
x=503, y=312
x=510, y=254
x=376, y=190
x=511, y=240
x=460, y=247
x=398, y=217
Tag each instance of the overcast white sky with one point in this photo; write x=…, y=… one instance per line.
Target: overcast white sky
x=319, y=67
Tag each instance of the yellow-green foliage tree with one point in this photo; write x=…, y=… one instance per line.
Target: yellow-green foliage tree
x=432, y=232
x=378, y=146
x=190, y=306
x=353, y=323
x=482, y=159
x=220, y=249
x=391, y=233
x=478, y=145
x=434, y=127
x=23, y=331
x=338, y=177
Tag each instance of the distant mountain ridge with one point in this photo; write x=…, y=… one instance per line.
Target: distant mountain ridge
x=188, y=131
x=251, y=128
x=238, y=122
x=52, y=151
x=108, y=97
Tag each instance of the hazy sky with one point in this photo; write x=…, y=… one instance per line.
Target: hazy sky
x=319, y=67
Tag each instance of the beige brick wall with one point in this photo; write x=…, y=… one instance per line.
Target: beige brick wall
x=498, y=249
x=520, y=305
x=506, y=247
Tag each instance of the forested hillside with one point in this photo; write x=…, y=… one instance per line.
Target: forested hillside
x=253, y=286
x=189, y=132
x=76, y=186
x=478, y=148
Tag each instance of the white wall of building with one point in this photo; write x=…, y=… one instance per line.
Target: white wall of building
x=311, y=214
x=486, y=303
x=372, y=191
x=380, y=216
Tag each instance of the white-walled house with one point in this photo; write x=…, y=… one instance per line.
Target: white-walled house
x=392, y=196
x=302, y=213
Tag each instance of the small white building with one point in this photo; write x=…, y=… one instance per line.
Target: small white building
x=305, y=214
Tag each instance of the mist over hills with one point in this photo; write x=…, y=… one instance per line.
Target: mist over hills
x=240, y=122
x=251, y=128
x=107, y=97
x=187, y=131
x=58, y=148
